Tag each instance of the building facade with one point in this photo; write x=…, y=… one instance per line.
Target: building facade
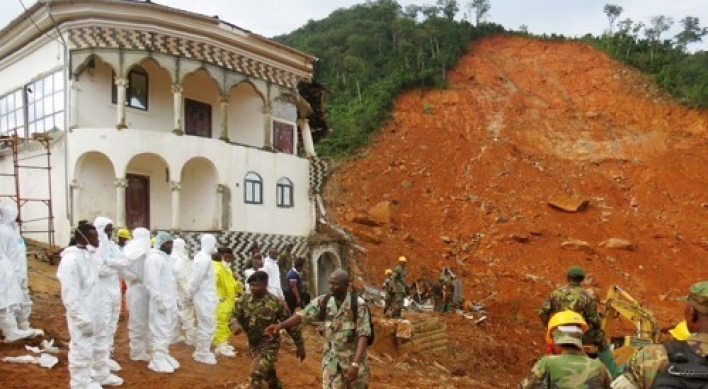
x=164, y=119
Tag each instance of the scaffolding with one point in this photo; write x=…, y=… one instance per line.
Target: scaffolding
x=11, y=144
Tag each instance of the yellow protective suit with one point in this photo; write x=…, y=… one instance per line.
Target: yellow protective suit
x=227, y=290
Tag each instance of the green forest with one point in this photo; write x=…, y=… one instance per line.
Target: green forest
x=371, y=52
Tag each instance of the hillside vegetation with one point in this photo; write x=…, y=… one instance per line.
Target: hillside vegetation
x=370, y=53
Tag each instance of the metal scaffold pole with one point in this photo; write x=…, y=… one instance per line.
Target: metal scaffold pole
x=12, y=144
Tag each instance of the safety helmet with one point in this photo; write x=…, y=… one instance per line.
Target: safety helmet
x=152, y=242
x=563, y=318
x=123, y=233
x=388, y=272
x=680, y=332
x=401, y=258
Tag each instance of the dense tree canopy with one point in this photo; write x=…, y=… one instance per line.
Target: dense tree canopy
x=371, y=52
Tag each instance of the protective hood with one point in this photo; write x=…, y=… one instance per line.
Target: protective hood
x=8, y=214
x=139, y=245
x=161, y=238
x=208, y=242
x=179, y=247
x=104, y=243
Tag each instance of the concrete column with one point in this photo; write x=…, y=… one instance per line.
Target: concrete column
x=220, y=188
x=177, y=107
x=307, y=143
x=74, y=104
x=224, y=103
x=268, y=127
x=75, y=198
x=175, y=187
x=121, y=84
x=121, y=184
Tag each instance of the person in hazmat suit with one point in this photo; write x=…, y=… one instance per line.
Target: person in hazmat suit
x=227, y=289
x=182, y=267
x=15, y=302
x=111, y=263
x=162, y=307
x=202, y=289
x=85, y=313
x=137, y=297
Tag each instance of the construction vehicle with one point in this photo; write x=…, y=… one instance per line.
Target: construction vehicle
x=637, y=329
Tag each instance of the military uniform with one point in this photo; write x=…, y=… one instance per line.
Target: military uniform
x=254, y=315
x=341, y=336
x=447, y=290
x=646, y=363
x=399, y=278
x=570, y=370
x=578, y=299
x=389, y=287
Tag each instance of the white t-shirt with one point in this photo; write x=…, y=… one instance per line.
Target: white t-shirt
x=271, y=267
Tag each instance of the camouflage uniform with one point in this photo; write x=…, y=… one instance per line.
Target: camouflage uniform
x=570, y=370
x=644, y=365
x=389, y=287
x=399, y=278
x=254, y=316
x=447, y=289
x=575, y=298
x=341, y=335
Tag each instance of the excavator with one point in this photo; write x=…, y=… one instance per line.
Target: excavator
x=637, y=329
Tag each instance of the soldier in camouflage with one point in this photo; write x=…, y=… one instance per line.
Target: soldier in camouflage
x=570, y=368
x=401, y=288
x=253, y=313
x=649, y=367
x=344, y=361
x=578, y=299
x=389, y=288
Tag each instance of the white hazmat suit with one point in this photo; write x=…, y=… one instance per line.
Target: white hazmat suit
x=136, y=250
x=13, y=246
x=162, y=289
x=271, y=267
x=202, y=288
x=182, y=266
x=111, y=263
x=86, y=319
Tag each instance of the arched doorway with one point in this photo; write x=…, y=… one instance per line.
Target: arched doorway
x=94, y=188
x=326, y=264
x=198, y=204
x=148, y=201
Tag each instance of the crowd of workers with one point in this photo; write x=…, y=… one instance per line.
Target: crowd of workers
x=172, y=298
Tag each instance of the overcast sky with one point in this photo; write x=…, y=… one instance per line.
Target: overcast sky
x=568, y=17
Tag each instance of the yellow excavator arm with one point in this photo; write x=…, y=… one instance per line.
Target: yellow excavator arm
x=618, y=305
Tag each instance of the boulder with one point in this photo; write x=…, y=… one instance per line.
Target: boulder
x=381, y=212
x=568, y=203
x=618, y=244
x=578, y=245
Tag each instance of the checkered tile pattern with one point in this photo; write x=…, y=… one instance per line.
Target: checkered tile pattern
x=319, y=171
x=241, y=242
x=112, y=37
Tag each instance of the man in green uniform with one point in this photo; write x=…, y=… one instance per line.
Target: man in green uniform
x=570, y=368
x=674, y=364
x=578, y=299
x=344, y=364
x=401, y=288
x=254, y=312
x=389, y=288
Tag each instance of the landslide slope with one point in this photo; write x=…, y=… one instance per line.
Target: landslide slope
x=469, y=170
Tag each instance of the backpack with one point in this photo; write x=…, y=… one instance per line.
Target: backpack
x=355, y=313
x=686, y=370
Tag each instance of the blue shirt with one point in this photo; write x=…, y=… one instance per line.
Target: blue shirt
x=293, y=275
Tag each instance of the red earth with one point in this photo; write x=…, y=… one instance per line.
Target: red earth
x=468, y=173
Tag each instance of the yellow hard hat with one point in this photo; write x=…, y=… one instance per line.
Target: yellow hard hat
x=680, y=332
x=152, y=242
x=123, y=233
x=401, y=258
x=388, y=272
x=562, y=318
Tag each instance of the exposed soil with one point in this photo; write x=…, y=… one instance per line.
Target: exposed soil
x=469, y=172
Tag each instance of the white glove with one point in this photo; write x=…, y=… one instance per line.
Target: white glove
x=86, y=328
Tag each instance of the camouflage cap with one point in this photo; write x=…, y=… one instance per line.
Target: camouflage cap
x=576, y=271
x=568, y=335
x=698, y=296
